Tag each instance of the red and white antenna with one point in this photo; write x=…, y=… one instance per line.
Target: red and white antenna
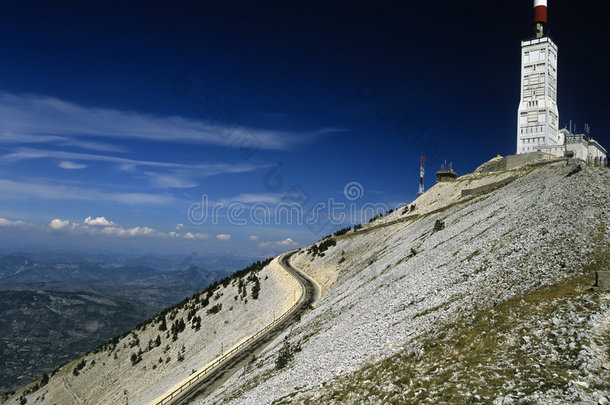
x=540, y=18
x=422, y=171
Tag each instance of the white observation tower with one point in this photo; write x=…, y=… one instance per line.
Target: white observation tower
x=538, y=120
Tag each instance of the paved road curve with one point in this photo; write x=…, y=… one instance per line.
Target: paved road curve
x=232, y=363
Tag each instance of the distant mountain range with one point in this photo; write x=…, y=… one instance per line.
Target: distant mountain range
x=158, y=282
x=42, y=330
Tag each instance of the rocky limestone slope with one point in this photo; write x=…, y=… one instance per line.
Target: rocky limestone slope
x=482, y=298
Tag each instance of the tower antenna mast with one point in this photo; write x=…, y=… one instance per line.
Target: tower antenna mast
x=422, y=171
x=540, y=18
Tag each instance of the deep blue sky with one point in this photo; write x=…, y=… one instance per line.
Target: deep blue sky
x=101, y=110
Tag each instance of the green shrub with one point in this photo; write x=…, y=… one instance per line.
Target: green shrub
x=343, y=231
x=163, y=325
x=177, y=327
x=79, y=367
x=319, y=249
x=286, y=353
x=196, y=324
x=135, y=358
x=256, y=288
x=215, y=309
x=45, y=379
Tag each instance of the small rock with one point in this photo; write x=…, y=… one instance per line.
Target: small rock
x=602, y=401
x=580, y=384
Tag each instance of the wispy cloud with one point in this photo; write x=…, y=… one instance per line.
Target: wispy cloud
x=249, y=198
x=66, y=164
x=13, y=189
x=171, y=180
x=9, y=137
x=161, y=174
x=205, y=170
x=40, y=119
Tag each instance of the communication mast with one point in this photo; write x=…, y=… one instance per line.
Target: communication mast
x=422, y=171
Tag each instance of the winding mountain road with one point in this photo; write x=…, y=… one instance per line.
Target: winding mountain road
x=224, y=367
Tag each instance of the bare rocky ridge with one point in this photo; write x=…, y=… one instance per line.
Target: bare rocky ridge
x=477, y=298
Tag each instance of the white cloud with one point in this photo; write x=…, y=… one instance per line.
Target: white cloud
x=59, y=224
x=179, y=226
x=196, y=236
x=36, y=119
x=6, y=223
x=131, y=232
x=66, y=164
x=223, y=237
x=253, y=238
x=101, y=226
x=286, y=242
x=99, y=221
